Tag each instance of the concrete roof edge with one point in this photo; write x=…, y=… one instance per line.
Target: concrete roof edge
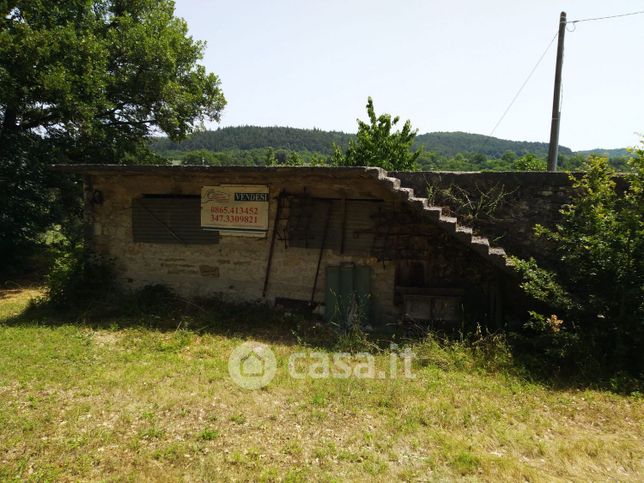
x=188, y=169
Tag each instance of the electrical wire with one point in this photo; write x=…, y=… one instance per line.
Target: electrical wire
x=605, y=18
x=573, y=23
x=525, y=82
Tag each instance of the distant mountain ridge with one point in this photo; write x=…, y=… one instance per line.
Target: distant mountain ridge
x=255, y=137
x=319, y=141
x=609, y=153
x=451, y=143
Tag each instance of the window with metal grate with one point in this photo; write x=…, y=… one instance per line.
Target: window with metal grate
x=170, y=219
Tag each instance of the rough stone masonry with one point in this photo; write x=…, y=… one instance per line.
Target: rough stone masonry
x=318, y=218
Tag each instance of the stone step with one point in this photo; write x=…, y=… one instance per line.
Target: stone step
x=434, y=212
x=481, y=245
x=497, y=258
x=419, y=203
x=480, y=240
x=497, y=251
x=392, y=183
x=405, y=193
x=465, y=234
x=448, y=219
x=376, y=172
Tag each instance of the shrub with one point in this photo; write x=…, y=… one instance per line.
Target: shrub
x=596, y=289
x=377, y=144
x=78, y=277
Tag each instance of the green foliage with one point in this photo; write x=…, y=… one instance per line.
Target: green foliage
x=509, y=156
x=457, y=151
x=22, y=197
x=292, y=159
x=596, y=288
x=542, y=284
x=97, y=77
x=449, y=144
x=377, y=145
x=254, y=137
x=88, y=81
x=550, y=347
x=471, y=204
x=530, y=162
x=353, y=339
x=487, y=351
x=445, y=145
x=250, y=157
x=271, y=159
x=78, y=277
x=201, y=156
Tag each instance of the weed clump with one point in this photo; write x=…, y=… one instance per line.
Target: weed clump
x=78, y=277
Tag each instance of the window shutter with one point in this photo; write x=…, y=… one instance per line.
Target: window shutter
x=169, y=219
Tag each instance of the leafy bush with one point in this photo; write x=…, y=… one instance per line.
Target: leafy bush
x=24, y=201
x=596, y=290
x=78, y=277
x=377, y=145
x=529, y=162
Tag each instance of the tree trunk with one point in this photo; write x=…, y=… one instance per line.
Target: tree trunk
x=9, y=122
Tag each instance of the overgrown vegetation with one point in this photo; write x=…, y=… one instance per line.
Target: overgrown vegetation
x=376, y=144
x=595, y=316
x=141, y=391
x=88, y=82
x=78, y=278
x=450, y=151
x=473, y=204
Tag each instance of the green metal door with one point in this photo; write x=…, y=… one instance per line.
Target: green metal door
x=347, y=297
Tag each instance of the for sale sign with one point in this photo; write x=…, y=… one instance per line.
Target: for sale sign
x=235, y=209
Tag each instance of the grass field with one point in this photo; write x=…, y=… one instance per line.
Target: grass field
x=149, y=398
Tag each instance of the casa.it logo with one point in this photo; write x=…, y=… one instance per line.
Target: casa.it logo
x=252, y=365
x=217, y=196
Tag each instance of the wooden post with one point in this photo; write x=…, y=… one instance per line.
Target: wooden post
x=553, y=149
x=278, y=212
x=322, y=247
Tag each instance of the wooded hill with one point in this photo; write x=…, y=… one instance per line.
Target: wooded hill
x=450, y=151
x=318, y=141
x=254, y=137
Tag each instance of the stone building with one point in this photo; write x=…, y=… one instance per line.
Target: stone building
x=349, y=242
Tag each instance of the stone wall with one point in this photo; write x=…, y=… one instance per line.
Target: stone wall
x=235, y=267
x=503, y=206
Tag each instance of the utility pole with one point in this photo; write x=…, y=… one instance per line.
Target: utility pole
x=553, y=149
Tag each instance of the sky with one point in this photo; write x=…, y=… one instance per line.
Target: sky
x=445, y=65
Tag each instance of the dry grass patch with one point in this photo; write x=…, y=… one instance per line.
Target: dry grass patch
x=126, y=402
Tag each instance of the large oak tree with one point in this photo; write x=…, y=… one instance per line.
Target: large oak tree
x=95, y=77
x=89, y=81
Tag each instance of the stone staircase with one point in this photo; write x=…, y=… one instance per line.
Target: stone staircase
x=464, y=234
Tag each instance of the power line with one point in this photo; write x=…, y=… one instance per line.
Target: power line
x=523, y=85
x=573, y=22
x=606, y=18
